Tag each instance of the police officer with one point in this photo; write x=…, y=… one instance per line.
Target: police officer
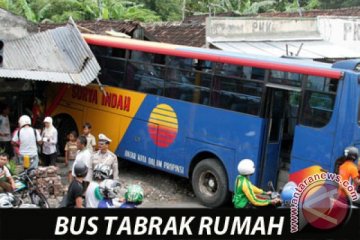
x=105, y=156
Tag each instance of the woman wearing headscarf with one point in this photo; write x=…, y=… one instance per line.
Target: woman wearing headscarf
x=49, y=138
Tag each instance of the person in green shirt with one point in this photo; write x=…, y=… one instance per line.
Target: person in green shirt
x=245, y=192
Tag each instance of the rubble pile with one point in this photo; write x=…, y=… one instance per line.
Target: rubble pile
x=48, y=181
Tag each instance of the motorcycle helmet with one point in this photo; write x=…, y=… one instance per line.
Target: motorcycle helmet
x=246, y=167
x=80, y=169
x=351, y=152
x=24, y=120
x=6, y=200
x=287, y=193
x=134, y=194
x=109, y=188
x=102, y=171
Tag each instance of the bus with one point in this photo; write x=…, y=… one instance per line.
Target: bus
x=197, y=112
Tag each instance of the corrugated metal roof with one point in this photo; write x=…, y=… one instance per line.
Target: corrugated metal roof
x=57, y=55
x=317, y=49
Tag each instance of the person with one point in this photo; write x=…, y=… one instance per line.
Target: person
x=348, y=169
x=27, y=139
x=70, y=152
x=75, y=191
x=16, y=148
x=91, y=141
x=109, y=189
x=7, y=183
x=83, y=155
x=134, y=196
x=5, y=134
x=245, y=192
x=49, y=139
x=105, y=156
x=93, y=194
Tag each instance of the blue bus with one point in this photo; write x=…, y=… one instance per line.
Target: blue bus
x=197, y=112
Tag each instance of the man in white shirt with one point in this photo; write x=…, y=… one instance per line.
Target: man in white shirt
x=105, y=156
x=28, y=139
x=5, y=134
x=83, y=155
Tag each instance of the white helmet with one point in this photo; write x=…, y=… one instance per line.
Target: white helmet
x=24, y=120
x=246, y=167
x=48, y=120
x=102, y=171
x=109, y=188
x=6, y=200
x=351, y=152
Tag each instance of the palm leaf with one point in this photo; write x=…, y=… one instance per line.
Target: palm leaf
x=28, y=12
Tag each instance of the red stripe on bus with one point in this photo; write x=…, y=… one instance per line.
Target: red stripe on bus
x=168, y=49
x=169, y=135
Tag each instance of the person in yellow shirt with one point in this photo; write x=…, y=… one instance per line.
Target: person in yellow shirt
x=245, y=192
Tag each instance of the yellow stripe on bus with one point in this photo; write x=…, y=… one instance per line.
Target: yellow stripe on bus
x=164, y=112
x=163, y=118
x=162, y=123
x=164, y=107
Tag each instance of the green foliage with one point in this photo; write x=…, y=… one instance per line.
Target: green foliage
x=258, y=7
x=11, y=165
x=141, y=14
x=333, y=4
x=154, y=10
x=168, y=10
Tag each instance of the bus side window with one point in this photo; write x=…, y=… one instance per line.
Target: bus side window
x=188, y=79
x=237, y=93
x=317, y=109
x=319, y=100
x=256, y=73
x=112, y=68
x=286, y=78
x=148, y=72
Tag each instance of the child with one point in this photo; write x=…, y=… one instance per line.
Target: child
x=70, y=152
x=74, y=195
x=133, y=197
x=7, y=183
x=91, y=141
x=109, y=189
x=93, y=194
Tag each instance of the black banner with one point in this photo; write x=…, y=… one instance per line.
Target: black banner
x=163, y=224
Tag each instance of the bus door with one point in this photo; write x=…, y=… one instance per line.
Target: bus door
x=281, y=115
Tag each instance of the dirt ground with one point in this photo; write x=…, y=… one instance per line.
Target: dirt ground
x=161, y=189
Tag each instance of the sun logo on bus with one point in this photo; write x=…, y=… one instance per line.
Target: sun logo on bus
x=163, y=125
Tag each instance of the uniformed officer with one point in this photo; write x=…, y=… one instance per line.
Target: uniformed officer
x=105, y=156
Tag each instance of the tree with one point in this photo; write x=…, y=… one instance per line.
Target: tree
x=60, y=10
x=168, y=10
x=333, y=4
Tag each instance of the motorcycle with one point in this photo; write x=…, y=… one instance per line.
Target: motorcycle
x=284, y=195
x=26, y=189
x=9, y=200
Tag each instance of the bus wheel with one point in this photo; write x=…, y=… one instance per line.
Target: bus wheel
x=209, y=182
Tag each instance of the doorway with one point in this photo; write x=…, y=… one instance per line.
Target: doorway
x=281, y=115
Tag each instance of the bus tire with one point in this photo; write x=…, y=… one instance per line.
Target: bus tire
x=210, y=183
